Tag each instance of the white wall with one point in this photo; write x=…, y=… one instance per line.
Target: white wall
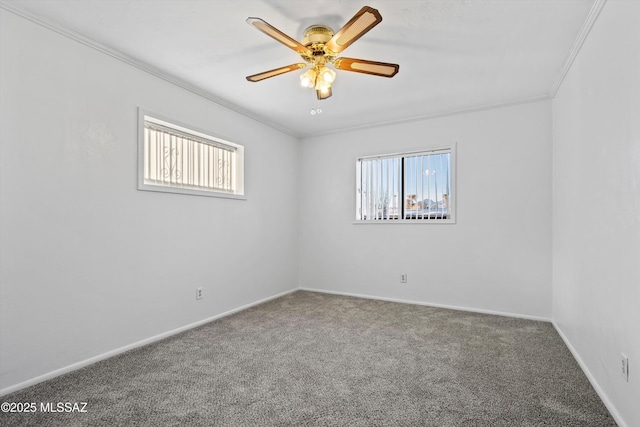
x=498, y=255
x=596, y=206
x=89, y=264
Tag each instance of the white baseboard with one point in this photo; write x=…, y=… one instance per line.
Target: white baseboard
x=429, y=304
x=107, y=355
x=594, y=383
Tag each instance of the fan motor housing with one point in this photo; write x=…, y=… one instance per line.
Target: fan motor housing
x=317, y=34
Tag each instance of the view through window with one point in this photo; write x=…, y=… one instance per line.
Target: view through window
x=409, y=186
x=178, y=159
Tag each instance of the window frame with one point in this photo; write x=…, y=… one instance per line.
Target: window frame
x=452, y=204
x=198, y=134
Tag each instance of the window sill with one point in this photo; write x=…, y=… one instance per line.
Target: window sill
x=190, y=192
x=406, y=221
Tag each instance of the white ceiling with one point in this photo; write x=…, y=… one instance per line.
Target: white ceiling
x=454, y=55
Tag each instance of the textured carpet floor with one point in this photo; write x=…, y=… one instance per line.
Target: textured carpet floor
x=324, y=360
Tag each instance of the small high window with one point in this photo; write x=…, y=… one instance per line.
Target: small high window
x=406, y=187
x=178, y=159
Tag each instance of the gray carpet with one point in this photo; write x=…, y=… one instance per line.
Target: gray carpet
x=324, y=360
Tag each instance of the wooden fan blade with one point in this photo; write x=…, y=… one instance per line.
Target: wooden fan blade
x=363, y=21
x=323, y=95
x=275, y=72
x=277, y=35
x=383, y=69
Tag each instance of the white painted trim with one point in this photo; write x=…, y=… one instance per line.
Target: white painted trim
x=594, y=383
x=146, y=341
x=429, y=304
x=145, y=115
x=450, y=148
x=486, y=107
x=577, y=45
x=157, y=72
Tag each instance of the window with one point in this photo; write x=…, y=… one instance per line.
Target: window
x=408, y=187
x=173, y=158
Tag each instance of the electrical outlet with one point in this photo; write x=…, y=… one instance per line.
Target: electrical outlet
x=403, y=278
x=198, y=293
x=625, y=367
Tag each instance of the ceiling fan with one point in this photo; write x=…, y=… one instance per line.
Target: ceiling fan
x=321, y=46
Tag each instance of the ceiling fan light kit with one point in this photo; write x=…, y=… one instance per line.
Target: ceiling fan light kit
x=320, y=47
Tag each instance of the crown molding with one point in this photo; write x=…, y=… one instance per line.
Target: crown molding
x=423, y=117
x=155, y=71
x=56, y=27
x=577, y=45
